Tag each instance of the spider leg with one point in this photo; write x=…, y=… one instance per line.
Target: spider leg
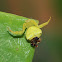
x=44, y=24
x=31, y=22
x=34, y=23
x=17, y=33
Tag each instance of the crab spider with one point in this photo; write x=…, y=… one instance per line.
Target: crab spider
x=33, y=31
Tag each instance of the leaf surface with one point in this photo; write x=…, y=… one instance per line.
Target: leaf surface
x=14, y=49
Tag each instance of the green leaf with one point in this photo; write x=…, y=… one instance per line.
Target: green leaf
x=14, y=49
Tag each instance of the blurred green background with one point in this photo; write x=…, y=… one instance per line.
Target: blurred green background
x=50, y=48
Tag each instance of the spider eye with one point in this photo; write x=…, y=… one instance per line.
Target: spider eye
x=36, y=38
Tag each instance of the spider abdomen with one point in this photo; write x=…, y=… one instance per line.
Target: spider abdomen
x=33, y=32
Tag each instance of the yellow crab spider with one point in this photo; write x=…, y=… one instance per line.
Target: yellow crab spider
x=33, y=31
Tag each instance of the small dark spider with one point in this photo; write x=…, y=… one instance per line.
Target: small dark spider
x=35, y=41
